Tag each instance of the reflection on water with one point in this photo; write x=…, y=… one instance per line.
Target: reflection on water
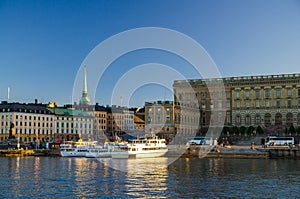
x=45, y=177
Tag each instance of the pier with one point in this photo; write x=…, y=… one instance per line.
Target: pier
x=282, y=152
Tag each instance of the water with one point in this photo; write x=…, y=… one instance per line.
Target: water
x=46, y=177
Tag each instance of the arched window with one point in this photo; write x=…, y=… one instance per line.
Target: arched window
x=267, y=119
x=238, y=119
x=248, y=119
x=257, y=119
x=278, y=119
x=289, y=119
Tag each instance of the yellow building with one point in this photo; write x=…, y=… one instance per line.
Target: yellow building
x=31, y=121
x=269, y=101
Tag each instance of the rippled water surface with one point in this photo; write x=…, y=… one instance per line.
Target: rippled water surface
x=46, y=177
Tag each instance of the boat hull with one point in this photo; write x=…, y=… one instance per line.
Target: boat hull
x=143, y=154
x=98, y=155
x=72, y=154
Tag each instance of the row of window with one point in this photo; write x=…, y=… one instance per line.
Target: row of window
x=267, y=119
x=278, y=104
x=219, y=94
x=267, y=93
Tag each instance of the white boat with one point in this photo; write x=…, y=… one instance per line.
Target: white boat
x=98, y=152
x=103, y=151
x=142, y=148
x=75, y=149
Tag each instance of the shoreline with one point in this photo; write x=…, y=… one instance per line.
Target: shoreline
x=234, y=152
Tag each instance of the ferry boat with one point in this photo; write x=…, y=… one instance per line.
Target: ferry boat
x=98, y=152
x=142, y=148
x=76, y=149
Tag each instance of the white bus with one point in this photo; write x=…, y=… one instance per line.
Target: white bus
x=201, y=141
x=279, y=141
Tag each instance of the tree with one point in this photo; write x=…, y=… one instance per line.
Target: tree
x=235, y=130
x=298, y=130
x=259, y=130
x=292, y=130
x=243, y=130
x=250, y=130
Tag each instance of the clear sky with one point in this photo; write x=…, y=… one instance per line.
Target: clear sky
x=43, y=43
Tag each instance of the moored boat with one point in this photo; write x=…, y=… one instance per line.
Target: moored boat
x=141, y=148
x=75, y=149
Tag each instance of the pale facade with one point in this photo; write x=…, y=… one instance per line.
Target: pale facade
x=72, y=124
x=30, y=121
x=99, y=114
x=119, y=120
x=266, y=100
x=159, y=118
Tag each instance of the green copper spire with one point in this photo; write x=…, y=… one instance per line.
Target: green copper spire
x=85, y=100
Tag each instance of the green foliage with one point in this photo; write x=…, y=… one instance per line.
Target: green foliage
x=298, y=130
x=250, y=130
x=259, y=130
x=235, y=130
x=243, y=129
x=292, y=130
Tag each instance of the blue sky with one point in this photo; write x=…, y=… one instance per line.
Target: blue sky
x=43, y=43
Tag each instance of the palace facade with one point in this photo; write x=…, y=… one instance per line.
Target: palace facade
x=269, y=101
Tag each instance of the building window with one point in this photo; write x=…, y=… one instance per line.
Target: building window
x=220, y=94
x=220, y=104
x=227, y=104
x=257, y=104
x=289, y=92
x=248, y=120
x=278, y=93
x=289, y=103
x=267, y=119
x=278, y=103
x=257, y=93
x=247, y=104
x=299, y=92
x=257, y=119
x=228, y=118
x=278, y=119
x=227, y=94
x=238, y=104
x=203, y=94
x=238, y=120
x=247, y=94
x=238, y=94
x=267, y=104
x=211, y=94
x=267, y=93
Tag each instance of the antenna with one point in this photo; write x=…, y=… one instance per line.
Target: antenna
x=8, y=93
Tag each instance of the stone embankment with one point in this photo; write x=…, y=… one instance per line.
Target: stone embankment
x=224, y=152
x=21, y=152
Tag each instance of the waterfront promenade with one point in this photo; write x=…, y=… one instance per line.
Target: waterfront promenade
x=233, y=151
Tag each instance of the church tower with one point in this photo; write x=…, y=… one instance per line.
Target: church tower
x=85, y=100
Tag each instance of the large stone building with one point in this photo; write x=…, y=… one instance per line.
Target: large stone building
x=99, y=114
x=119, y=120
x=270, y=101
x=71, y=124
x=159, y=118
x=36, y=120
x=30, y=121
